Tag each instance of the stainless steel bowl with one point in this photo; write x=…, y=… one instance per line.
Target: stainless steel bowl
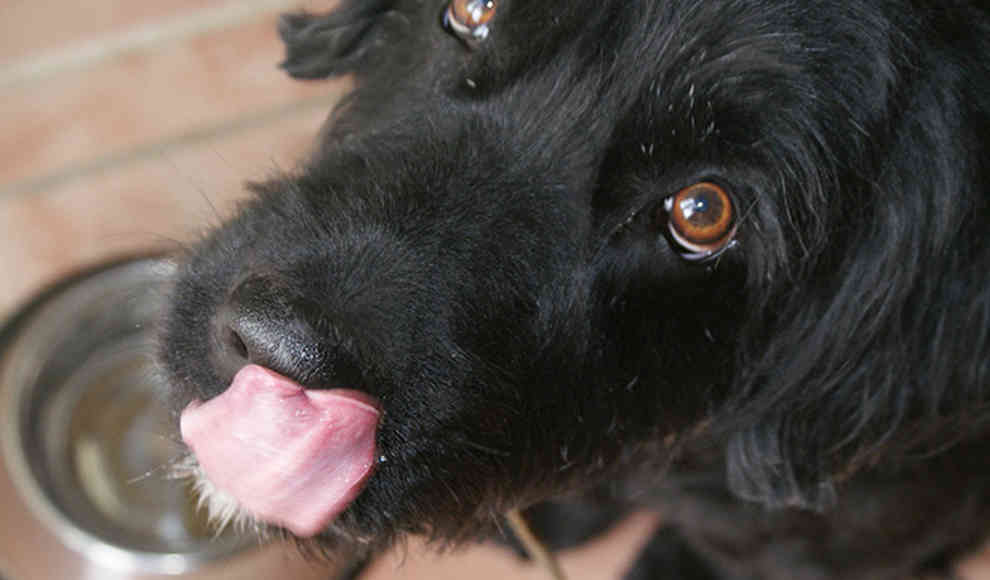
x=83, y=437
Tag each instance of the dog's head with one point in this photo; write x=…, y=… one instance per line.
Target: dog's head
x=543, y=237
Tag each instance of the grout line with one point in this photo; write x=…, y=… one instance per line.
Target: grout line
x=157, y=149
x=141, y=38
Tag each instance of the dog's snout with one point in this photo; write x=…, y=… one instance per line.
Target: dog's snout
x=263, y=323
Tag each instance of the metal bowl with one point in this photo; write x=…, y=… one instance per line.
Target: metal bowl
x=83, y=435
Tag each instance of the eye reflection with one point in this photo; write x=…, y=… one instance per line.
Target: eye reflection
x=470, y=19
x=701, y=220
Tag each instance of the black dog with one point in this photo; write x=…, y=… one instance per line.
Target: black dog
x=728, y=259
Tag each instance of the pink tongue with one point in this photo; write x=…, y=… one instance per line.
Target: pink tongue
x=289, y=456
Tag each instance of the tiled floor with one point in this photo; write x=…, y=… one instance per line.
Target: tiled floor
x=130, y=126
x=122, y=125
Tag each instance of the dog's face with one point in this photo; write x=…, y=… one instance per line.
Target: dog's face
x=541, y=238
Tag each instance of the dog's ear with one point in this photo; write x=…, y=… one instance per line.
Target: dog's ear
x=324, y=45
x=874, y=349
x=886, y=367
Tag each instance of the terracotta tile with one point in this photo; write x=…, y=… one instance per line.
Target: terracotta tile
x=30, y=551
x=156, y=203
x=143, y=96
x=976, y=566
x=31, y=28
x=606, y=557
x=47, y=34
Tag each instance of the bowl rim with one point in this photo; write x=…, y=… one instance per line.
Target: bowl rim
x=13, y=398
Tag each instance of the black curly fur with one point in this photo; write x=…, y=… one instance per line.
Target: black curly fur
x=476, y=244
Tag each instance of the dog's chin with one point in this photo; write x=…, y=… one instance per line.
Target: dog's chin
x=223, y=513
x=222, y=510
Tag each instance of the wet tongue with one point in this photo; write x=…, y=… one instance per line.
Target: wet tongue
x=290, y=456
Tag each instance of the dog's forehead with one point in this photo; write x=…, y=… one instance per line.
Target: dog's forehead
x=562, y=92
x=564, y=98
x=604, y=62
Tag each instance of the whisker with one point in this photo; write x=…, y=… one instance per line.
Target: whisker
x=197, y=187
x=486, y=449
x=168, y=468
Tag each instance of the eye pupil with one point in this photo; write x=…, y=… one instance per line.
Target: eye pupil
x=701, y=209
x=701, y=219
x=470, y=18
x=476, y=12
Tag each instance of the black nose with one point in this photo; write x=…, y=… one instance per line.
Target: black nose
x=265, y=323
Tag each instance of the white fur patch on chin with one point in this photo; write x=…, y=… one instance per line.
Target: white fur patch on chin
x=222, y=509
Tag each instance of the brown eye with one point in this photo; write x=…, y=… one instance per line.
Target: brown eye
x=701, y=219
x=470, y=18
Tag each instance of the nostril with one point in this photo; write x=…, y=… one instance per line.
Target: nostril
x=231, y=351
x=237, y=346
x=264, y=322
x=255, y=324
